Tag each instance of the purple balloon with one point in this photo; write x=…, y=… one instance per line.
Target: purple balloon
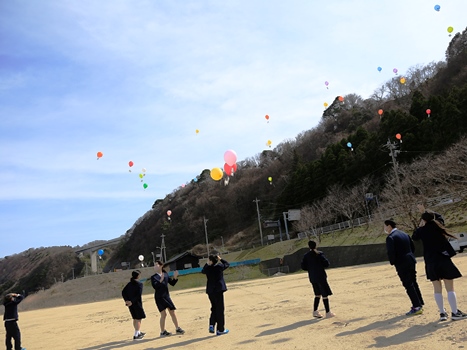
x=395, y=70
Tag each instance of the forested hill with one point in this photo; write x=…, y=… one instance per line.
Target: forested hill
x=421, y=113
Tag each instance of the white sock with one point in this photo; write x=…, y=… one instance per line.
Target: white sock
x=136, y=333
x=452, y=301
x=439, y=302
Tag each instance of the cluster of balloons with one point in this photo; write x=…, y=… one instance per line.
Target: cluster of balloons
x=230, y=166
x=141, y=175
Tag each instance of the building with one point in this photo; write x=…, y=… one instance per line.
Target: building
x=185, y=260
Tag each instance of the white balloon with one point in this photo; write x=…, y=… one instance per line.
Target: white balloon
x=141, y=258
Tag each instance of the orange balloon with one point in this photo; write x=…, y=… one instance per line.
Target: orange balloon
x=380, y=112
x=341, y=99
x=398, y=136
x=99, y=155
x=267, y=117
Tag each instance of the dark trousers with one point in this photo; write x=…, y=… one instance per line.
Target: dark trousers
x=217, y=310
x=408, y=277
x=12, y=331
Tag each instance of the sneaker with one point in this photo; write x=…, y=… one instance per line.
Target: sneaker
x=179, y=331
x=459, y=315
x=415, y=311
x=225, y=331
x=138, y=337
x=443, y=316
x=211, y=329
x=330, y=314
x=317, y=314
x=165, y=334
x=142, y=333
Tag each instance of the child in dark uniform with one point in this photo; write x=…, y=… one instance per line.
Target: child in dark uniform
x=10, y=317
x=160, y=282
x=315, y=262
x=132, y=295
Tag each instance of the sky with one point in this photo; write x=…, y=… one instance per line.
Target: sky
x=136, y=79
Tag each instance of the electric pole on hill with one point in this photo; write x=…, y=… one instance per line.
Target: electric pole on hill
x=259, y=220
x=393, y=152
x=163, y=254
x=206, y=233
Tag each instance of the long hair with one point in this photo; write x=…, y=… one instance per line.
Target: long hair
x=430, y=217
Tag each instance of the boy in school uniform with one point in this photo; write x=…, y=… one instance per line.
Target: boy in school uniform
x=10, y=318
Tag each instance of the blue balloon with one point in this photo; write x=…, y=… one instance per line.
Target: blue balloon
x=349, y=145
x=380, y=69
x=100, y=252
x=437, y=7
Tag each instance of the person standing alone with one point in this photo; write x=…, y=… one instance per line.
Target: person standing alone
x=132, y=295
x=10, y=318
x=400, y=249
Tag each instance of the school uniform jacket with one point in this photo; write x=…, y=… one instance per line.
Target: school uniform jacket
x=400, y=248
x=315, y=263
x=132, y=292
x=161, y=285
x=215, y=277
x=11, y=308
x=436, y=247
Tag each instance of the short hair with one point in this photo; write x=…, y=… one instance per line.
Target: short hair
x=312, y=244
x=135, y=274
x=214, y=259
x=390, y=223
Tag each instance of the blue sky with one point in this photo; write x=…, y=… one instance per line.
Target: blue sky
x=135, y=79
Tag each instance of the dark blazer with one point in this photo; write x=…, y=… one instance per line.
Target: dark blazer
x=161, y=285
x=215, y=276
x=315, y=263
x=132, y=292
x=11, y=308
x=435, y=244
x=400, y=248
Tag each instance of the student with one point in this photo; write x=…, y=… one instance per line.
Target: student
x=160, y=282
x=315, y=262
x=437, y=253
x=10, y=317
x=215, y=288
x=132, y=295
x=401, y=250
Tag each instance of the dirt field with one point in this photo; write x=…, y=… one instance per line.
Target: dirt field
x=273, y=313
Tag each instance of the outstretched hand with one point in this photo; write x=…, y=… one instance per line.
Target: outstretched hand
x=175, y=274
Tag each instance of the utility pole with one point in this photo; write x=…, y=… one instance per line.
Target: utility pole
x=206, y=233
x=163, y=253
x=222, y=238
x=259, y=220
x=393, y=152
x=73, y=272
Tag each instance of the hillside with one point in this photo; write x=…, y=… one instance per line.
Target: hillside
x=318, y=173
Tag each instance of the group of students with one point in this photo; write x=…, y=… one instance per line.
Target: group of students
x=437, y=253
x=215, y=288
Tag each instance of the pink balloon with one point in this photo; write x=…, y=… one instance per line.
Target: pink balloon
x=230, y=157
x=169, y=212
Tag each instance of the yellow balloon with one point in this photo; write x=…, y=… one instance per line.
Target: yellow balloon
x=450, y=29
x=325, y=104
x=402, y=80
x=269, y=142
x=270, y=179
x=197, y=131
x=216, y=174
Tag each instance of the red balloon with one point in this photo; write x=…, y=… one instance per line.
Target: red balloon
x=267, y=117
x=398, y=136
x=130, y=163
x=230, y=170
x=428, y=111
x=99, y=155
x=380, y=112
x=341, y=99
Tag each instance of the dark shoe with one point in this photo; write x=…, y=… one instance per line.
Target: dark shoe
x=211, y=329
x=225, y=331
x=179, y=331
x=165, y=334
x=443, y=316
x=415, y=311
x=139, y=336
x=459, y=315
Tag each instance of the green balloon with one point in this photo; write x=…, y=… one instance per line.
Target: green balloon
x=145, y=186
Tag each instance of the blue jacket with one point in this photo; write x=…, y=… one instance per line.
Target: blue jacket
x=11, y=308
x=400, y=248
x=215, y=276
x=161, y=285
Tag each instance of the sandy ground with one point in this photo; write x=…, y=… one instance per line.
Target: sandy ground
x=273, y=313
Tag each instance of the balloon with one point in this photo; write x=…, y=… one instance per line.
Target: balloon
x=428, y=111
x=395, y=70
x=143, y=170
x=197, y=131
x=99, y=155
x=450, y=29
x=398, y=136
x=380, y=69
x=216, y=174
x=130, y=163
x=349, y=145
x=325, y=104
x=230, y=157
x=100, y=252
x=140, y=258
x=230, y=170
x=145, y=185
x=269, y=143
x=380, y=112
x=141, y=176
x=326, y=83
x=341, y=99
x=270, y=179
x=437, y=8
x=267, y=117
x=169, y=212
x=402, y=80
x=183, y=185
